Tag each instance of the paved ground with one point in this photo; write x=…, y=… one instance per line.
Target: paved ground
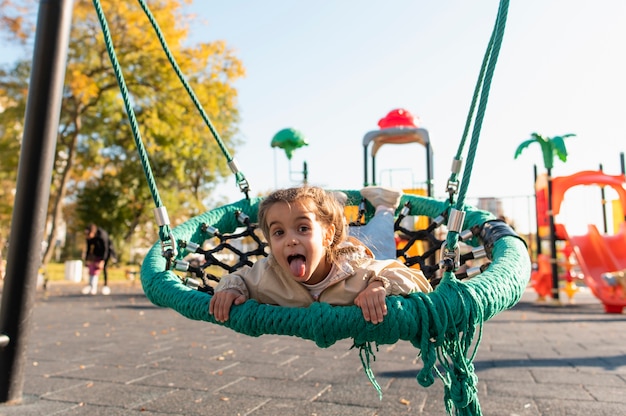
x=120, y=355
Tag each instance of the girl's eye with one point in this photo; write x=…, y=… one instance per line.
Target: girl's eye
x=303, y=229
x=277, y=233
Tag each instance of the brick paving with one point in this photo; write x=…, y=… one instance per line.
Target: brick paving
x=121, y=355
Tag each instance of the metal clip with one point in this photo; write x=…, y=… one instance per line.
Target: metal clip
x=161, y=217
x=457, y=164
x=474, y=271
x=209, y=229
x=181, y=265
x=455, y=220
x=361, y=216
x=191, y=283
x=192, y=247
x=450, y=259
x=168, y=249
x=439, y=220
x=452, y=187
x=466, y=235
x=244, y=187
x=479, y=252
x=406, y=210
x=242, y=217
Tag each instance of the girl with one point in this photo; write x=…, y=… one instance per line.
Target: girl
x=312, y=260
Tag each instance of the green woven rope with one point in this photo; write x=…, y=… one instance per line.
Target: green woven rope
x=441, y=324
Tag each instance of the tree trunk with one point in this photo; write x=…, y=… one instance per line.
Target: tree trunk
x=55, y=215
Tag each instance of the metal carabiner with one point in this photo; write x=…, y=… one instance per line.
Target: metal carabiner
x=449, y=260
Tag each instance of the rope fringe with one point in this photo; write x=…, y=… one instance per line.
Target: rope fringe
x=365, y=352
x=448, y=354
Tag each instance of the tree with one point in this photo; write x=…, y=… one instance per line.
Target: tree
x=12, y=19
x=10, y=136
x=96, y=154
x=550, y=147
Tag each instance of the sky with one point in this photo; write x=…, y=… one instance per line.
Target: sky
x=333, y=69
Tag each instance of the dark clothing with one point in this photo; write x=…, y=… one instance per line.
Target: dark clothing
x=98, y=247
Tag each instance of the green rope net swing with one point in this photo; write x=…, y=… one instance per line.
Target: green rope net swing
x=444, y=325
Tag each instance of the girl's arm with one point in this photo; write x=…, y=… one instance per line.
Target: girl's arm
x=230, y=290
x=371, y=300
x=398, y=279
x=222, y=301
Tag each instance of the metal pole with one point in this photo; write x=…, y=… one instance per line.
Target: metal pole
x=41, y=125
x=537, y=236
x=305, y=172
x=373, y=170
x=603, y=202
x=365, y=180
x=555, y=270
x=429, y=171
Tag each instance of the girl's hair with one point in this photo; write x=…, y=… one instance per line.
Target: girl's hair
x=324, y=204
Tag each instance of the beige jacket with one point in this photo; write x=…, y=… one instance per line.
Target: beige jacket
x=267, y=283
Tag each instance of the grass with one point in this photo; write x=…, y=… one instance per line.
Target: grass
x=117, y=273
x=55, y=272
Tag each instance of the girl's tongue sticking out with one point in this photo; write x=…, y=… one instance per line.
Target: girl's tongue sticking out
x=297, y=265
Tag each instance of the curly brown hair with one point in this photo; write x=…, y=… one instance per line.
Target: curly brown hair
x=324, y=204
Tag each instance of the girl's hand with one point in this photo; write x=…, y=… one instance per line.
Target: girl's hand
x=372, y=302
x=221, y=302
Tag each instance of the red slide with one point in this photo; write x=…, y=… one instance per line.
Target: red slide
x=598, y=254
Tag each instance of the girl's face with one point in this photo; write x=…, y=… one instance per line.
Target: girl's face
x=299, y=241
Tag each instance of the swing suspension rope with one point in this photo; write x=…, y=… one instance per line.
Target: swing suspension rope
x=441, y=324
x=475, y=117
x=168, y=243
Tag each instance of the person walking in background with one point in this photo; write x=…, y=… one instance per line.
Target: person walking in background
x=97, y=254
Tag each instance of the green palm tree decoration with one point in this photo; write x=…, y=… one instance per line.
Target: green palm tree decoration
x=550, y=146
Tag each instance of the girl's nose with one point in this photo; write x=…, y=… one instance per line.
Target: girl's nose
x=293, y=242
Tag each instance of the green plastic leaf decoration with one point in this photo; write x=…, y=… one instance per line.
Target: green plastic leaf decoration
x=559, y=146
x=550, y=146
x=289, y=140
x=523, y=146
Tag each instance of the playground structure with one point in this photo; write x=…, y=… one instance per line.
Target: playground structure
x=595, y=257
x=399, y=126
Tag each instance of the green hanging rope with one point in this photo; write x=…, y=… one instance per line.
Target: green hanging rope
x=164, y=229
x=476, y=116
x=168, y=244
x=483, y=87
